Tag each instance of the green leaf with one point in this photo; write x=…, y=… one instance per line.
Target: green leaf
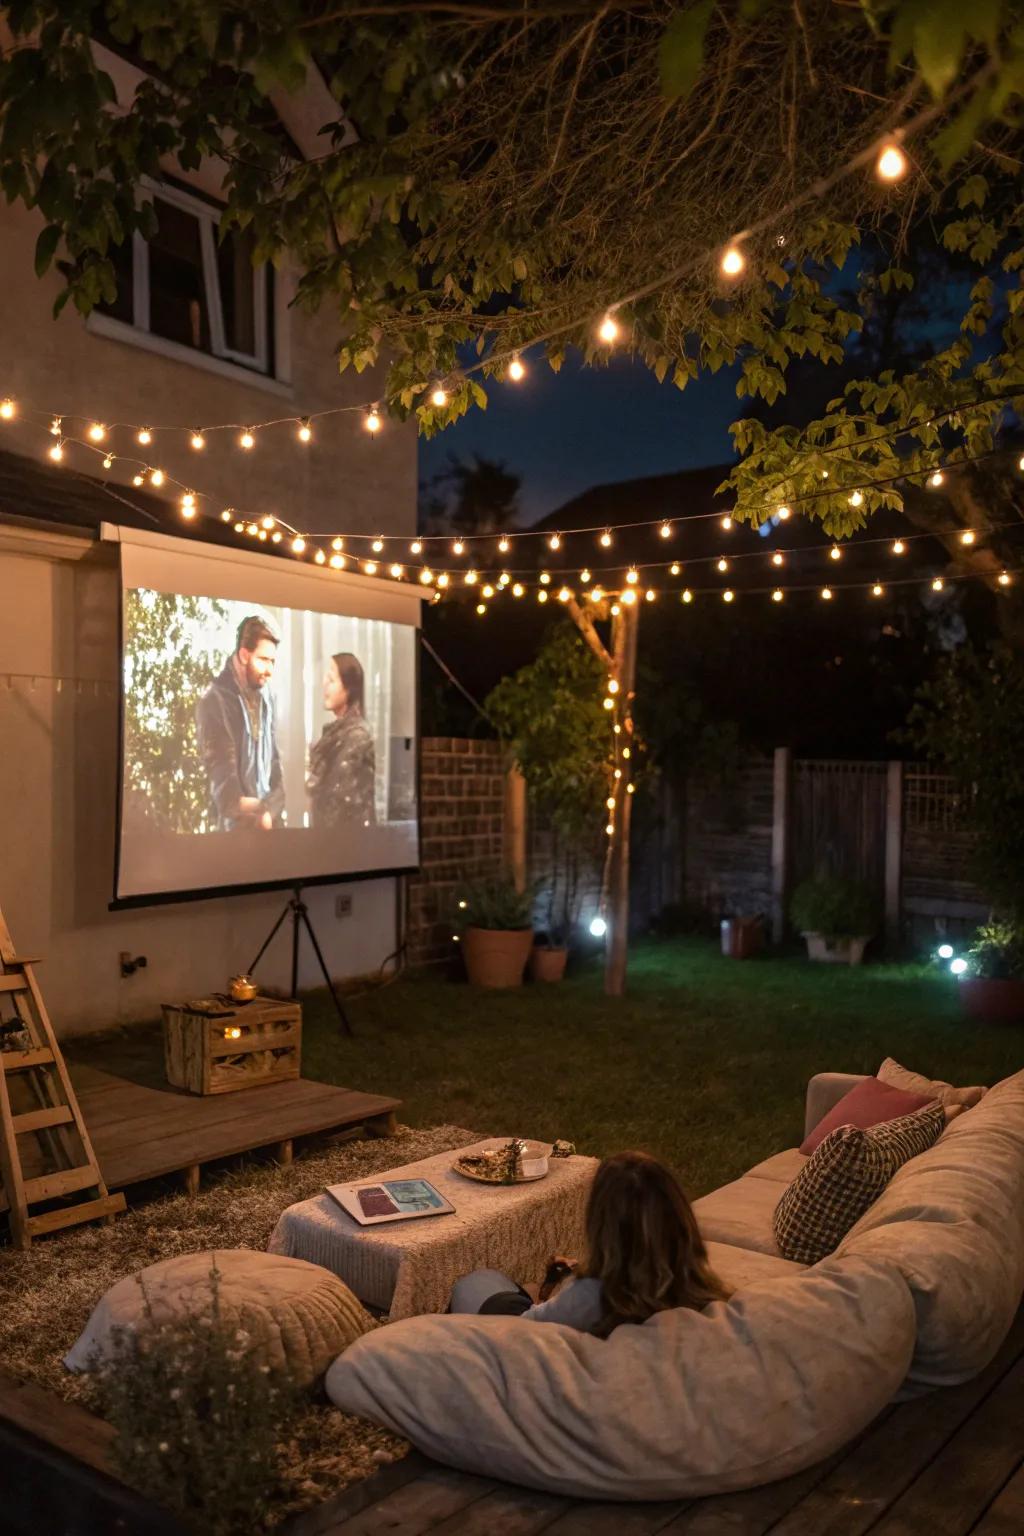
x=479, y=393
x=681, y=51
x=46, y=248
x=974, y=190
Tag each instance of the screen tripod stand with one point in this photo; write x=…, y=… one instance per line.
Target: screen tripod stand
x=300, y=915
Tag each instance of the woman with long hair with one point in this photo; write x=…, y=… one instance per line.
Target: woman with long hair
x=342, y=764
x=645, y=1255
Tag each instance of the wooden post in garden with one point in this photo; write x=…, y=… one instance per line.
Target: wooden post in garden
x=893, y=854
x=782, y=781
x=515, y=827
x=624, y=642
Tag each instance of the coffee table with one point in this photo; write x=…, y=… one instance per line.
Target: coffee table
x=404, y=1268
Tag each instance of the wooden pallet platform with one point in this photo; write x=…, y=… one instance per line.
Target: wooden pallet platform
x=143, y=1129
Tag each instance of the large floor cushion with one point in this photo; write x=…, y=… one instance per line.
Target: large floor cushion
x=741, y=1213
x=298, y=1317
x=689, y=1404
x=952, y=1220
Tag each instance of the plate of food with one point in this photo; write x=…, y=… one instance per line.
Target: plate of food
x=505, y=1161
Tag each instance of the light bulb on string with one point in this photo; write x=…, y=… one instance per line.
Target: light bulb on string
x=891, y=164
x=1004, y=578
x=516, y=370
x=7, y=409
x=877, y=589
x=728, y=595
x=426, y=576
x=268, y=522
x=626, y=752
x=555, y=541
x=835, y=553
x=778, y=558
x=337, y=562
x=686, y=596
x=650, y=595
x=252, y=530
x=545, y=578
x=632, y=576
x=503, y=545
x=372, y=421
x=967, y=537
x=305, y=432
x=320, y=557
x=481, y=608
x=733, y=261
x=777, y=595
x=487, y=591
x=628, y=597
x=608, y=330
x=585, y=577
x=726, y=523
x=938, y=584
x=606, y=537
x=337, y=543
x=138, y=479
x=471, y=578
x=857, y=499
x=723, y=565
x=157, y=477
x=439, y=398
x=377, y=545
x=610, y=802
x=275, y=537
x=188, y=504
x=542, y=596
x=613, y=686
x=517, y=589
x=57, y=451
x=458, y=548
x=898, y=547
x=197, y=441
x=247, y=439
x=608, y=703
x=674, y=568
x=782, y=513
x=298, y=544
x=262, y=535
x=826, y=593
x=443, y=579
x=610, y=829
x=226, y=515
x=239, y=527
x=370, y=567
x=665, y=530
x=144, y=436
x=97, y=432
x=415, y=548
x=615, y=611
x=630, y=789
x=936, y=478
x=108, y=462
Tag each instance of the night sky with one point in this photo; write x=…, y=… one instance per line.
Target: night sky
x=584, y=426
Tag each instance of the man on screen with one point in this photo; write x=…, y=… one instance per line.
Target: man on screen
x=236, y=731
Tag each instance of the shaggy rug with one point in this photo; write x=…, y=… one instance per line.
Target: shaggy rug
x=49, y=1292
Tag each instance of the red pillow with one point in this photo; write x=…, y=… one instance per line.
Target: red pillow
x=870, y=1103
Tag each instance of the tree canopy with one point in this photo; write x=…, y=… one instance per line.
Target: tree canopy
x=496, y=176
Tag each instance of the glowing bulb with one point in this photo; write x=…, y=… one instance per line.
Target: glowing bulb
x=891, y=164
x=723, y=565
x=958, y=967
x=778, y=558
x=615, y=611
x=443, y=580
x=439, y=398
x=613, y=686
x=503, y=545
x=320, y=557
x=618, y=773
x=938, y=584
x=608, y=330
x=945, y=951
x=232, y=1032
x=426, y=577
x=630, y=789
x=555, y=541
x=517, y=590
x=487, y=591
x=629, y=597
x=1004, y=578
x=471, y=578
x=377, y=545
x=936, y=478
x=298, y=545
x=372, y=421
x=337, y=543
x=337, y=562
x=458, y=548
x=545, y=579
x=240, y=528
x=967, y=537
x=598, y=927
x=564, y=594
x=650, y=594
x=856, y=499
x=727, y=596
x=97, y=432
x=542, y=596
x=198, y=441
x=481, y=608
x=247, y=439
x=898, y=547
x=305, y=432
x=108, y=462
x=370, y=567
x=608, y=703
x=687, y=595
x=267, y=522
x=675, y=568
x=782, y=513
x=632, y=577
x=835, y=553
x=395, y=571
x=516, y=370
x=733, y=261
x=610, y=802
x=157, y=477
x=877, y=589
x=7, y=409
x=726, y=522
x=262, y=535
x=138, y=479
x=777, y=595
x=665, y=530
x=57, y=452
x=824, y=474
x=585, y=577
x=225, y=516
x=626, y=752
x=252, y=530
x=826, y=593
x=606, y=537
x=188, y=504
x=415, y=548
x=55, y=426
x=144, y=436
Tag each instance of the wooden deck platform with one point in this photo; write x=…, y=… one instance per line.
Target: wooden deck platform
x=143, y=1129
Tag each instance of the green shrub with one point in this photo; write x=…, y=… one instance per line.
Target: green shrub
x=997, y=953
x=833, y=907
x=199, y=1420
x=496, y=904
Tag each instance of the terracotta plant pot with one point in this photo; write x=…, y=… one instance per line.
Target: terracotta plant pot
x=838, y=951
x=496, y=957
x=547, y=964
x=992, y=1001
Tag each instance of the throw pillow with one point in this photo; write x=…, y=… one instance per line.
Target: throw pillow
x=912, y=1082
x=297, y=1317
x=844, y=1177
x=869, y=1103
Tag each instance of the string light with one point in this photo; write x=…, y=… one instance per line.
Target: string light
x=898, y=547
x=1004, y=578
x=370, y=567
x=305, y=432
x=733, y=261
x=835, y=553
x=298, y=544
x=606, y=537
x=687, y=595
x=826, y=593
x=517, y=590
x=608, y=330
x=545, y=578
x=613, y=686
x=247, y=439
x=856, y=499
x=108, y=462
x=337, y=544
x=727, y=595
x=268, y=522
x=443, y=580
x=337, y=562
x=778, y=558
x=938, y=584
x=481, y=608
x=628, y=597
x=632, y=576
x=157, y=477
x=372, y=421
x=967, y=537
x=723, y=565
x=439, y=398
x=650, y=594
x=516, y=369
x=225, y=516
x=426, y=576
x=488, y=590
x=471, y=578
x=555, y=541
x=415, y=548
x=240, y=528
x=188, y=505
x=320, y=557
x=458, y=548
x=564, y=594
x=675, y=568
x=377, y=545
x=252, y=530
x=198, y=441
x=7, y=409
x=503, y=545
x=138, y=479
x=97, y=432
x=936, y=478
x=610, y=829
x=144, y=436
x=542, y=596
x=397, y=571
x=777, y=595
x=877, y=589
x=57, y=451
x=665, y=530
x=726, y=522
x=783, y=513
x=261, y=534
x=891, y=164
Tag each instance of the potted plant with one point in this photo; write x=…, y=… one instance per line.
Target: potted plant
x=992, y=986
x=836, y=917
x=497, y=933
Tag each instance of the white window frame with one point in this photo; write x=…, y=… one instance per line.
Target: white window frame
x=221, y=358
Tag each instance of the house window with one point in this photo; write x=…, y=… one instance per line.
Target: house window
x=194, y=290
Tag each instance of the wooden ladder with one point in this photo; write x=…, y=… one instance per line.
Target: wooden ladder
x=37, y=1067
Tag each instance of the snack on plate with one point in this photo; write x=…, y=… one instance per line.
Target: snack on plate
x=498, y=1165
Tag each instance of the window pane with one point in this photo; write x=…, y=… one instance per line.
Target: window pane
x=237, y=292
x=123, y=307
x=177, y=301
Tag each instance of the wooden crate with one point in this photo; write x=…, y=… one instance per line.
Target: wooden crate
x=258, y=1042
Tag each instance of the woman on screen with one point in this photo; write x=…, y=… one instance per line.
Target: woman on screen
x=342, y=764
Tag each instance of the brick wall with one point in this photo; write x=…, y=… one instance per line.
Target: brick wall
x=462, y=793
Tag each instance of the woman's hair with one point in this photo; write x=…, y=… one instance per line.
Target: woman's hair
x=644, y=1244
x=351, y=673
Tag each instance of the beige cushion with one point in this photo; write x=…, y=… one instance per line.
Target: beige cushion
x=741, y=1213
x=783, y=1167
x=740, y=1267
x=298, y=1317
x=934, y=1088
x=952, y=1220
x=689, y=1404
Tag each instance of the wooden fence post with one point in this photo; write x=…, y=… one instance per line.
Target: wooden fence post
x=893, y=855
x=782, y=784
x=515, y=827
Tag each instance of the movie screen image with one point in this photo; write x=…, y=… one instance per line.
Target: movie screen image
x=262, y=744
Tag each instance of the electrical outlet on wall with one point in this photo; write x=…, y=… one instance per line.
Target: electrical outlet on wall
x=343, y=906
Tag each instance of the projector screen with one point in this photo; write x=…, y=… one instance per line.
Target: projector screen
x=268, y=722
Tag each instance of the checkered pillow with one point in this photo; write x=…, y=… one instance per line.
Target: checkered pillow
x=843, y=1177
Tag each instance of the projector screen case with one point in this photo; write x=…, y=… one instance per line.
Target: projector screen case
x=253, y=769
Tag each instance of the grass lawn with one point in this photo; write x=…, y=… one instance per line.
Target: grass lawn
x=703, y=1062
